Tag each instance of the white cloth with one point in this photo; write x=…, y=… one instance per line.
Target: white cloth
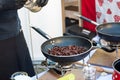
x=107, y=11
x=107, y=77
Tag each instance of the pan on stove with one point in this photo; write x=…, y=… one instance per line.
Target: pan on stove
x=107, y=31
x=64, y=41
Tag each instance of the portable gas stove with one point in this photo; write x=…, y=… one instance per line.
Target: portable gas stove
x=56, y=70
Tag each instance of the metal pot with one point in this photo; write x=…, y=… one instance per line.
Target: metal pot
x=64, y=41
x=116, y=67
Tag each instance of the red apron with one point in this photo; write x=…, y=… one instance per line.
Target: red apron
x=88, y=10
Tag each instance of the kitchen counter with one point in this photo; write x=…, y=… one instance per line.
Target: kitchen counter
x=107, y=77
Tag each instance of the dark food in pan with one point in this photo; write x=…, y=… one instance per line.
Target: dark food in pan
x=67, y=50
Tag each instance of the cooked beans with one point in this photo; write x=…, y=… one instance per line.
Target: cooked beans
x=66, y=50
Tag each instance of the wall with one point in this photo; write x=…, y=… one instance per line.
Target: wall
x=49, y=20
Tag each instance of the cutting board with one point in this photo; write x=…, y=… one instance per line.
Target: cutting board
x=103, y=58
x=51, y=75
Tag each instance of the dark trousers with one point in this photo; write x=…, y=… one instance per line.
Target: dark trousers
x=14, y=56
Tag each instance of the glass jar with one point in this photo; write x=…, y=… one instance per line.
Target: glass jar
x=89, y=73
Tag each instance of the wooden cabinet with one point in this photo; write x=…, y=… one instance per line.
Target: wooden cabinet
x=69, y=8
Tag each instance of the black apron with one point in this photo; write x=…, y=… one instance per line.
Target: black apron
x=14, y=54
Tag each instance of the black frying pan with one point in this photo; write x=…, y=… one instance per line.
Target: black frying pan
x=64, y=41
x=108, y=31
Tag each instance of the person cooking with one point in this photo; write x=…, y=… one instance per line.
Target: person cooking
x=14, y=53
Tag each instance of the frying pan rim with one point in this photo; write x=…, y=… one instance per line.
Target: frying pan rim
x=98, y=30
x=69, y=55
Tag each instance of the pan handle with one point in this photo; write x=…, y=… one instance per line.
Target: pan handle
x=41, y=32
x=86, y=19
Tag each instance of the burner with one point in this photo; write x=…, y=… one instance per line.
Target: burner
x=63, y=69
x=109, y=44
x=68, y=67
